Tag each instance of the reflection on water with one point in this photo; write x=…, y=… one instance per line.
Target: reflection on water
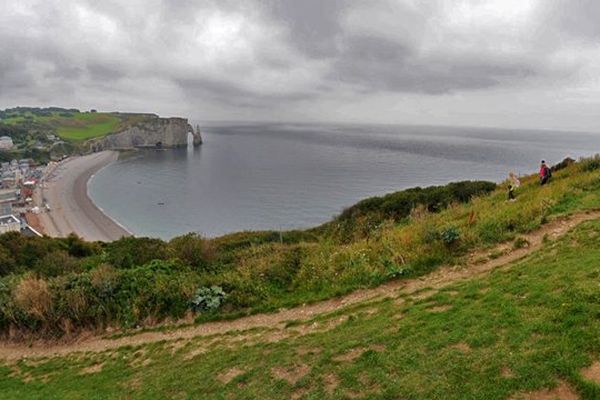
x=275, y=176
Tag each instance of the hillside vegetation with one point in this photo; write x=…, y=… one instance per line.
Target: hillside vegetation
x=55, y=286
x=30, y=128
x=528, y=331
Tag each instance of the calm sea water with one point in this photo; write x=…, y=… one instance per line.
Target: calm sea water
x=282, y=176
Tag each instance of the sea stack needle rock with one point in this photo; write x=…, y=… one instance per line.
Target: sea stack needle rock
x=153, y=132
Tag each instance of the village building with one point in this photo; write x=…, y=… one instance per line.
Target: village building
x=7, y=198
x=9, y=223
x=6, y=143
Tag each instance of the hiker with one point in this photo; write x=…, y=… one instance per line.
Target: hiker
x=545, y=173
x=514, y=179
x=511, y=192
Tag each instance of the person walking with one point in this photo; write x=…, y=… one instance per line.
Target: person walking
x=545, y=173
x=511, y=192
x=514, y=179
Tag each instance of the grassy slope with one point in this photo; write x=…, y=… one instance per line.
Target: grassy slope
x=406, y=249
x=87, y=125
x=81, y=126
x=266, y=276
x=518, y=329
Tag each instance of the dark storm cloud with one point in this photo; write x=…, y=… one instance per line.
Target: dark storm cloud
x=231, y=54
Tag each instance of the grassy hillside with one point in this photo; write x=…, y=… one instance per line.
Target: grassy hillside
x=529, y=331
x=30, y=129
x=55, y=286
x=69, y=124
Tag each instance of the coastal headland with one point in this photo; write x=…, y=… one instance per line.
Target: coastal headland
x=42, y=136
x=70, y=209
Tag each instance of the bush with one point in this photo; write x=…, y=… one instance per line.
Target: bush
x=193, y=250
x=32, y=297
x=397, y=206
x=450, y=235
x=56, y=263
x=208, y=299
x=129, y=252
x=590, y=164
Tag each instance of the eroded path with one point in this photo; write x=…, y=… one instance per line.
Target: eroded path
x=438, y=279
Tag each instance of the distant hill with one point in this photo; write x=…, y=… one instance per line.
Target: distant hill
x=52, y=132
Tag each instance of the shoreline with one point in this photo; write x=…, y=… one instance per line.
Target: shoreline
x=71, y=208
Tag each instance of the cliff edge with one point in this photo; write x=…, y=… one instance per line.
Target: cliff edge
x=154, y=132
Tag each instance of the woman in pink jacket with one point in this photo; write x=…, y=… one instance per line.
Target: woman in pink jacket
x=545, y=173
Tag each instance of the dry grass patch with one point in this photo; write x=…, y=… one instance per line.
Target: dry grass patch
x=291, y=375
x=194, y=353
x=228, y=376
x=592, y=373
x=562, y=392
x=93, y=369
x=507, y=373
x=349, y=355
x=439, y=309
x=462, y=346
x=298, y=393
x=330, y=383
x=302, y=351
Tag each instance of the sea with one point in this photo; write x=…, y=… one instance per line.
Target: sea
x=276, y=176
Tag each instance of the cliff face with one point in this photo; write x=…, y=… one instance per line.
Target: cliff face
x=150, y=133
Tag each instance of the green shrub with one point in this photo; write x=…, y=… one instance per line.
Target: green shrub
x=590, y=164
x=450, y=235
x=193, y=250
x=128, y=252
x=56, y=263
x=282, y=274
x=208, y=299
x=361, y=219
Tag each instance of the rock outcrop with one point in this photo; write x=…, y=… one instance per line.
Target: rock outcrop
x=151, y=132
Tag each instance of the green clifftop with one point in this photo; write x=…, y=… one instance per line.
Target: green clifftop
x=50, y=133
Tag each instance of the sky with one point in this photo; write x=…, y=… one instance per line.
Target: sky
x=498, y=63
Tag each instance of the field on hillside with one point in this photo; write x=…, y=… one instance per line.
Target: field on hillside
x=71, y=125
x=527, y=331
x=87, y=125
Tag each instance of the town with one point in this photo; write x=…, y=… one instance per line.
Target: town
x=21, y=181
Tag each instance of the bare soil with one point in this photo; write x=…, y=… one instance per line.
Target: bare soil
x=592, y=373
x=561, y=392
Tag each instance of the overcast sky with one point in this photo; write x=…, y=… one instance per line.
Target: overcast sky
x=501, y=63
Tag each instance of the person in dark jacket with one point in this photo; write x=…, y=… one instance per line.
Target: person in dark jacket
x=545, y=173
x=511, y=192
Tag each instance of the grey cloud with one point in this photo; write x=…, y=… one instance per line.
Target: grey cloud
x=376, y=64
x=104, y=72
x=327, y=58
x=228, y=93
x=313, y=24
x=579, y=18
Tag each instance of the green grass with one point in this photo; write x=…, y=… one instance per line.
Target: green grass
x=258, y=273
x=85, y=126
x=518, y=329
x=77, y=127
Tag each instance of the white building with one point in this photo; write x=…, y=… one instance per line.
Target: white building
x=7, y=198
x=9, y=223
x=6, y=143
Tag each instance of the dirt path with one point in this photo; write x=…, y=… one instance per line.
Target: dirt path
x=438, y=279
